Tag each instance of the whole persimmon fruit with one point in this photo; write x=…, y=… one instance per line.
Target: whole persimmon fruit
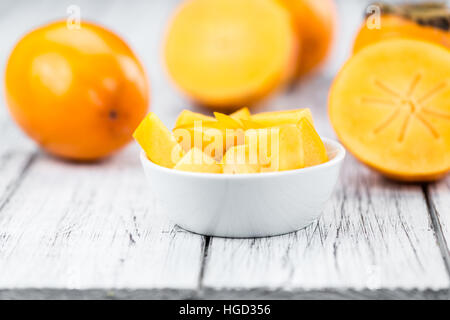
x=315, y=23
x=78, y=92
x=226, y=54
x=427, y=21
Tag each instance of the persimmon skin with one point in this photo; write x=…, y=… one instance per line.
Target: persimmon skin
x=388, y=106
x=393, y=26
x=79, y=93
x=315, y=22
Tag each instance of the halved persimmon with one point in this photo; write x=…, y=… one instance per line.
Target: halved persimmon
x=390, y=107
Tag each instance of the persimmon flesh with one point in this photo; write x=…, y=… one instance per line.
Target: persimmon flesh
x=227, y=54
x=389, y=107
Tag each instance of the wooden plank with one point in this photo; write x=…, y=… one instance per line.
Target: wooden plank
x=17, y=155
x=92, y=226
x=438, y=195
x=16, y=151
x=374, y=234
x=95, y=227
x=139, y=294
x=88, y=226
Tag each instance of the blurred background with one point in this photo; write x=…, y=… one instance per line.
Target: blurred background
x=142, y=24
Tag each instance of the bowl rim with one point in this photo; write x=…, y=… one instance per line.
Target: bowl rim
x=341, y=152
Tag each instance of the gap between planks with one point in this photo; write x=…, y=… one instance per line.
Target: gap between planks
x=391, y=218
x=437, y=228
x=205, y=251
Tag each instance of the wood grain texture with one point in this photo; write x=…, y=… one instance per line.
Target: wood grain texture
x=255, y=294
x=374, y=234
x=84, y=226
x=90, y=226
x=94, y=231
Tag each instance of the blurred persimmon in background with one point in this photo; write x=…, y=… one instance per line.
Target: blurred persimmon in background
x=315, y=24
x=226, y=54
x=78, y=92
x=426, y=21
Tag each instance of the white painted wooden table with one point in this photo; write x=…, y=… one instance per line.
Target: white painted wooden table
x=94, y=231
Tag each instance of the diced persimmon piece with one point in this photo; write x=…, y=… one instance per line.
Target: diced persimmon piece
x=187, y=118
x=199, y=135
x=228, y=122
x=259, y=142
x=314, y=149
x=228, y=53
x=250, y=124
x=238, y=160
x=158, y=142
x=234, y=137
x=279, y=148
x=213, y=137
x=197, y=161
x=233, y=130
x=241, y=114
x=390, y=107
x=291, y=153
x=225, y=144
x=280, y=118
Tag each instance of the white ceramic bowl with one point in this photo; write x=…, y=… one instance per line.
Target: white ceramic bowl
x=249, y=205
